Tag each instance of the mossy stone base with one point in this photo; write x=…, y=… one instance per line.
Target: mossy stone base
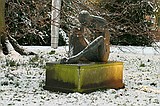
x=84, y=77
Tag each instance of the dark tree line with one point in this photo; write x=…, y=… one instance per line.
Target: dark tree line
x=128, y=21
x=28, y=21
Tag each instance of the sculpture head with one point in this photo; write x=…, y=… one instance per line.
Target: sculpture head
x=84, y=17
x=91, y=21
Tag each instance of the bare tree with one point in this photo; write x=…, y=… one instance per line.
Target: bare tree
x=8, y=45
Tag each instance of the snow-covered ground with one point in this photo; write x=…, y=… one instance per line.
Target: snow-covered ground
x=22, y=80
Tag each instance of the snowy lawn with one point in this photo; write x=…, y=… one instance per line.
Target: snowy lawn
x=22, y=80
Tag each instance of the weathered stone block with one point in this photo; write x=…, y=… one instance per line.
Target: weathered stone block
x=84, y=77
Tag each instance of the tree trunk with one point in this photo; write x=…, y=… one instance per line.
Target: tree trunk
x=55, y=18
x=2, y=24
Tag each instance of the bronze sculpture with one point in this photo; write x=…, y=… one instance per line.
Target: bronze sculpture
x=90, y=42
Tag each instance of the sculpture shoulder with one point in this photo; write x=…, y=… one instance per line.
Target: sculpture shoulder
x=98, y=18
x=100, y=21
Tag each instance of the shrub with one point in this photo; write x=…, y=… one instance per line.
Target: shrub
x=127, y=21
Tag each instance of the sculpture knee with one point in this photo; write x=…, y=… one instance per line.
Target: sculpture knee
x=98, y=41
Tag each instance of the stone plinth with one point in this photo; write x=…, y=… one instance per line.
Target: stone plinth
x=84, y=77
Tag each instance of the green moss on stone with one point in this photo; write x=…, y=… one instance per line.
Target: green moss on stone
x=86, y=77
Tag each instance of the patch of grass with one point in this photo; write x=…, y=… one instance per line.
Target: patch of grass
x=5, y=83
x=41, y=84
x=16, y=84
x=142, y=65
x=52, y=52
x=11, y=63
x=34, y=59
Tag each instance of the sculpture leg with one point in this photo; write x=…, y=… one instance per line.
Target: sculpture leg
x=97, y=47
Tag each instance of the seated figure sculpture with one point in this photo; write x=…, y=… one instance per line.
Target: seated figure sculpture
x=90, y=42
